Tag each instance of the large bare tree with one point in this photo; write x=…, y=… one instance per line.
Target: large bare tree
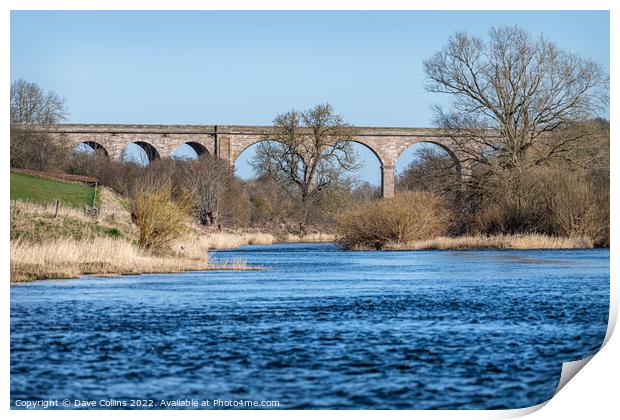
x=510, y=94
x=30, y=104
x=307, y=154
x=32, y=149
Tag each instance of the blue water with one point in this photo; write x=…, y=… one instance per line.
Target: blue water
x=321, y=328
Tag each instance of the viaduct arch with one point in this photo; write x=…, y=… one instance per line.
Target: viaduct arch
x=228, y=142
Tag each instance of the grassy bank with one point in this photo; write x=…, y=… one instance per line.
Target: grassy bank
x=41, y=190
x=531, y=241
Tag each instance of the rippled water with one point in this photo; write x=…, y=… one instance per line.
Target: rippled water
x=321, y=328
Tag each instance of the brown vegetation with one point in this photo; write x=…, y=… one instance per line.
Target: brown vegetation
x=556, y=202
x=409, y=216
x=36, y=151
x=159, y=217
x=529, y=241
x=223, y=240
x=69, y=243
x=536, y=154
x=68, y=258
x=240, y=237
x=311, y=237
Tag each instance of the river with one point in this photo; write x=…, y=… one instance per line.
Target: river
x=318, y=328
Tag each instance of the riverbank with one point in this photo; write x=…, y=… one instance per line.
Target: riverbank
x=70, y=258
x=57, y=241
x=530, y=241
x=49, y=241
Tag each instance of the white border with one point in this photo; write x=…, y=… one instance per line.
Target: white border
x=593, y=394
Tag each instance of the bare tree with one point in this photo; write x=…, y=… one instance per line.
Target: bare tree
x=307, y=153
x=432, y=170
x=30, y=104
x=510, y=93
x=207, y=180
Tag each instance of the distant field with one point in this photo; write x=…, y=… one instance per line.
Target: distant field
x=43, y=190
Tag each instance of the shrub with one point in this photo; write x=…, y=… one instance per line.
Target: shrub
x=236, y=205
x=119, y=176
x=34, y=150
x=159, y=218
x=577, y=208
x=512, y=203
x=551, y=201
x=409, y=216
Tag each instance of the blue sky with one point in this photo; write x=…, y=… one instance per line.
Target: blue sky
x=245, y=67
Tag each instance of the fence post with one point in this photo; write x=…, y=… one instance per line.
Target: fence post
x=95, y=194
x=56, y=211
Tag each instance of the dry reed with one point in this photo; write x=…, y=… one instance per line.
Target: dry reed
x=70, y=245
x=527, y=241
x=49, y=209
x=311, y=237
x=223, y=240
x=68, y=258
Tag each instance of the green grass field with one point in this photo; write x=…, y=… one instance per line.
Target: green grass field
x=44, y=190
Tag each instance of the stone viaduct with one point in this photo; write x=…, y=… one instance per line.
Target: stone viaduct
x=228, y=142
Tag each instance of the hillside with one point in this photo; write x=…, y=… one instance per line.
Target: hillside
x=26, y=187
x=36, y=219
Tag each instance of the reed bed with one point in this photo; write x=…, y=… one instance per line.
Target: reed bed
x=69, y=258
x=223, y=240
x=311, y=237
x=528, y=241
